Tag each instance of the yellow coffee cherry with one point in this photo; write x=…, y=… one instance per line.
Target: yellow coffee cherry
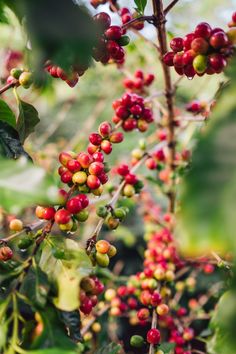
x=96, y=327
x=16, y=225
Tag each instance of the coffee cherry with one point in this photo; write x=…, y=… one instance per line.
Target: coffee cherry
x=187, y=40
x=153, y=336
x=98, y=156
x=69, y=226
x=151, y=163
x=203, y=30
x=128, y=191
x=102, y=259
x=62, y=216
x=113, y=32
x=84, y=159
x=200, y=63
x=188, y=57
x=83, y=200
x=49, y=213
x=143, y=314
x=96, y=168
x=155, y=298
x=123, y=41
x=88, y=284
x=106, y=146
x=79, y=177
x=64, y=157
x=103, y=20
x=66, y=177
x=219, y=40
x=112, y=223
x=26, y=79
x=93, y=182
x=25, y=243
x=95, y=139
x=119, y=213
x=199, y=45
x=105, y=129
x=217, y=62
x=162, y=310
x=73, y=206
x=102, y=211
x=176, y=44
x=86, y=306
x=130, y=178
x=123, y=170
x=112, y=251
x=168, y=58
x=39, y=212
x=82, y=216
x=102, y=246
x=73, y=166
x=15, y=72
x=116, y=137
x=136, y=341
x=16, y=225
x=6, y=253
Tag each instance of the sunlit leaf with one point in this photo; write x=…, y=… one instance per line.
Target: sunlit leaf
x=6, y=114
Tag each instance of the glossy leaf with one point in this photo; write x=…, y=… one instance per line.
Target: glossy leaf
x=6, y=114
x=167, y=348
x=27, y=120
x=71, y=320
x=10, y=144
x=111, y=348
x=141, y=4
x=23, y=184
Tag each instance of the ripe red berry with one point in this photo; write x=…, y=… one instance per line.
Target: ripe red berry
x=200, y=45
x=98, y=156
x=103, y=20
x=84, y=159
x=73, y=165
x=95, y=139
x=155, y=298
x=188, y=57
x=113, y=32
x=149, y=79
x=130, y=178
x=123, y=170
x=92, y=148
x=106, y=146
x=74, y=205
x=122, y=112
x=93, y=182
x=151, y=164
x=217, y=62
x=168, y=58
x=136, y=110
x=96, y=168
x=48, y=213
x=129, y=124
x=219, y=40
x=6, y=253
x=143, y=314
x=153, y=336
x=66, y=177
x=83, y=200
x=178, y=60
x=203, y=30
x=187, y=40
x=64, y=157
x=234, y=17
x=62, y=216
x=86, y=306
x=105, y=129
x=176, y=44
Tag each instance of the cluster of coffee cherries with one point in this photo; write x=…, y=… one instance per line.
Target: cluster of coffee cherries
x=96, y=3
x=90, y=288
x=132, y=185
x=112, y=216
x=71, y=77
x=111, y=42
x=204, y=51
x=127, y=16
x=24, y=78
x=196, y=107
x=73, y=210
x=139, y=82
x=132, y=112
x=103, y=140
x=103, y=252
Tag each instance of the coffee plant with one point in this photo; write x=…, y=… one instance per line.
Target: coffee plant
x=117, y=235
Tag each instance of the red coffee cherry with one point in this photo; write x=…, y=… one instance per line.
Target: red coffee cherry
x=64, y=157
x=116, y=137
x=95, y=139
x=103, y=20
x=203, y=30
x=199, y=45
x=6, y=253
x=106, y=146
x=73, y=166
x=219, y=40
x=83, y=200
x=105, y=129
x=93, y=182
x=49, y=213
x=96, y=168
x=177, y=44
x=62, y=216
x=98, y=156
x=153, y=336
x=143, y=314
x=84, y=159
x=66, y=177
x=113, y=32
x=74, y=205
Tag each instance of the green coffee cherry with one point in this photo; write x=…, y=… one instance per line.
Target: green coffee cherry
x=136, y=341
x=123, y=41
x=102, y=259
x=58, y=253
x=102, y=211
x=112, y=251
x=25, y=243
x=112, y=223
x=200, y=63
x=26, y=79
x=15, y=72
x=119, y=213
x=82, y=215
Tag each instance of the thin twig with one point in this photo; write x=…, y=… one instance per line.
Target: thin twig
x=8, y=86
x=169, y=7
x=138, y=19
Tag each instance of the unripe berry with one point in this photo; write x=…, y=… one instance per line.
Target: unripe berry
x=96, y=327
x=102, y=259
x=119, y=213
x=79, y=177
x=116, y=137
x=15, y=72
x=68, y=226
x=92, y=148
x=103, y=246
x=39, y=212
x=153, y=336
x=112, y=223
x=26, y=79
x=102, y=211
x=200, y=63
x=62, y=216
x=112, y=251
x=136, y=341
x=128, y=191
x=16, y=225
x=162, y=310
x=82, y=215
x=64, y=157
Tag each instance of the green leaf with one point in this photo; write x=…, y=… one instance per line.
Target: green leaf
x=223, y=323
x=141, y=4
x=207, y=220
x=6, y=114
x=23, y=184
x=72, y=322
x=54, y=334
x=167, y=348
x=67, y=274
x=27, y=120
x=111, y=348
x=36, y=287
x=10, y=144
